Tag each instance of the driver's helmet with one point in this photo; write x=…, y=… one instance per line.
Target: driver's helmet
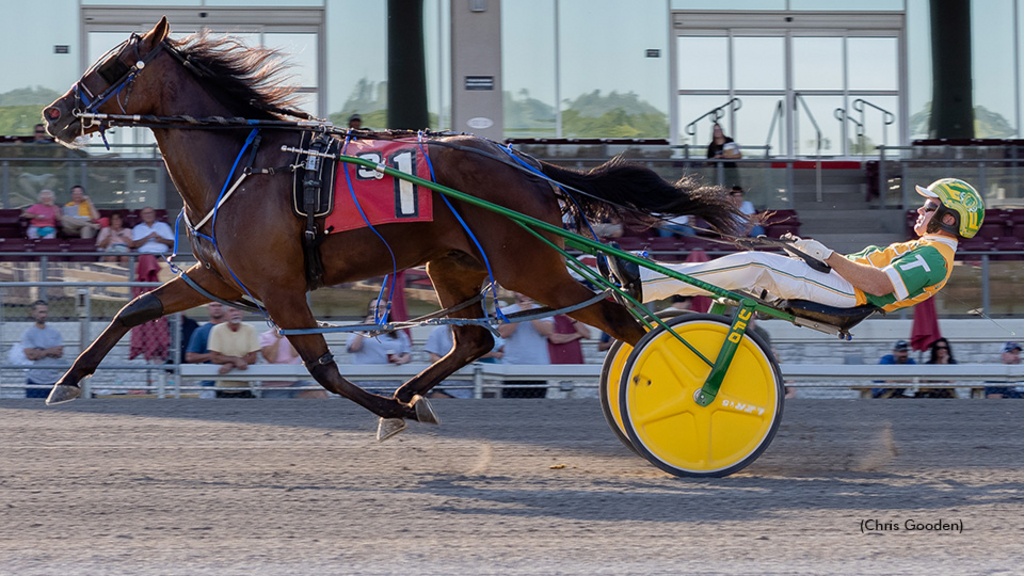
x=958, y=198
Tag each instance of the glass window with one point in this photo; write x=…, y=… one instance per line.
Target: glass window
x=608, y=83
x=759, y=63
x=872, y=63
x=357, y=49
x=528, y=68
x=300, y=51
x=818, y=63
x=805, y=136
x=753, y=123
x=919, y=67
x=879, y=127
x=437, y=52
x=847, y=5
x=995, y=104
x=703, y=62
x=728, y=4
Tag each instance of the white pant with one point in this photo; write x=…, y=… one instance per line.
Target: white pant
x=783, y=277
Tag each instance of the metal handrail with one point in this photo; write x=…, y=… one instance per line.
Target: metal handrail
x=888, y=117
x=780, y=110
x=691, y=128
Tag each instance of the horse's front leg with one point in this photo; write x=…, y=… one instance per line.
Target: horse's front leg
x=173, y=296
x=289, y=311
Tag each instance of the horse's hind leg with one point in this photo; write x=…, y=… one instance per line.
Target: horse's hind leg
x=174, y=296
x=455, y=281
x=289, y=311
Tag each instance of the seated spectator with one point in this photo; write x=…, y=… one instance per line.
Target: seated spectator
x=737, y=195
x=1010, y=355
x=678, y=226
x=393, y=348
x=80, y=217
x=526, y=343
x=114, y=238
x=39, y=135
x=941, y=353
x=900, y=355
x=233, y=345
x=277, y=349
x=43, y=217
x=150, y=236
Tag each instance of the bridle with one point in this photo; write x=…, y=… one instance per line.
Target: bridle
x=119, y=78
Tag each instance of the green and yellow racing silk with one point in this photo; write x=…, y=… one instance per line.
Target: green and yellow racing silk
x=917, y=269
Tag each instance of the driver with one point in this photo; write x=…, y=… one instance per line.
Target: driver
x=899, y=275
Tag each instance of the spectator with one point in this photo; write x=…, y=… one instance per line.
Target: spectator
x=678, y=226
x=1010, y=355
x=564, y=346
x=737, y=195
x=355, y=122
x=608, y=227
x=43, y=217
x=723, y=147
x=43, y=346
x=198, y=352
x=941, y=353
x=526, y=343
x=440, y=342
x=394, y=348
x=80, y=216
x=233, y=345
x=900, y=355
x=277, y=349
x=150, y=236
x=39, y=135
x=114, y=238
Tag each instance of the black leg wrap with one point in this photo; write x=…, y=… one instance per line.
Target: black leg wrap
x=141, y=310
x=319, y=363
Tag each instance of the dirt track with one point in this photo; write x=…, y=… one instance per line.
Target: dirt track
x=150, y=487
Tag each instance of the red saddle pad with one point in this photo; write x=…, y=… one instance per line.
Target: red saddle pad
x=382, y=199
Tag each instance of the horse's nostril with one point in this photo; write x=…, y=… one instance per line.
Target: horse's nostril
x=53, y=113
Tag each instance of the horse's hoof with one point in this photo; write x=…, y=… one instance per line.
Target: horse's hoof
x=388, y=427
x=63, y=393
x=424, y=411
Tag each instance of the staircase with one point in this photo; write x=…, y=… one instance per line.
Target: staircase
x=843, y=220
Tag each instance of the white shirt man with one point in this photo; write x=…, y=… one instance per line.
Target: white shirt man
x=150, y=236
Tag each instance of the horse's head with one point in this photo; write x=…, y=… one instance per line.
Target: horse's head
x=114, y=84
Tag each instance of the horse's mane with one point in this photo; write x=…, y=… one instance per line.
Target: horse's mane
x=252, y=82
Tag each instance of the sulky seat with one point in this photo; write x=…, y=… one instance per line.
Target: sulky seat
x=828, y=319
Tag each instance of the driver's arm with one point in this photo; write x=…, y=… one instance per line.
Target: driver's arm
x=868, y=278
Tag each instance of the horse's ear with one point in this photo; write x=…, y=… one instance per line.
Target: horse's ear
x=158, y=33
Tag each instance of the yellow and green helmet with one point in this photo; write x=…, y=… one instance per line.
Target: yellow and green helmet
x=958, y=198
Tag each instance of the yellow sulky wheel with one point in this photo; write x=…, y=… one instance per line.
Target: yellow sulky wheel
x=611, y=375
x=666, y=425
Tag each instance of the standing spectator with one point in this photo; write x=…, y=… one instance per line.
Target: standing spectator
x=723, y=147
x=150, y=236
x=80, y=215
x=355, y=122
x=114, y=238
x=394, y=348
x=198, y=352
x=900, y=355
x=440, y=342
x=233, y=345
x=1010, y=355
x=737, y=197
x=941, y=353
x=526, y=343
x=43, y=217
x=678, y=226
x=44, y=347
x=277, y=349
x=564, y=346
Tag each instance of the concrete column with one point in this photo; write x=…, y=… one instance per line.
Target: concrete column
x=952, y=85
x=476, y=67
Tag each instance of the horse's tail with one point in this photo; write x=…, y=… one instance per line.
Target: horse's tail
x=636, y=194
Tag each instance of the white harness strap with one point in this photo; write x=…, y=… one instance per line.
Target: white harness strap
x=223, y=199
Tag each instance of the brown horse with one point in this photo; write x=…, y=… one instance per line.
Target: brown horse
x=260, y=243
